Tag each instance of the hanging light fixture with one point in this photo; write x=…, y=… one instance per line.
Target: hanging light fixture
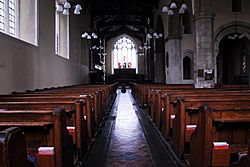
x=65, y=12
x=154, y=35
x=165, y=9
x=65, y=7
x=236, y=34
x=77, y=9
x=59, y=8
x=89, y=35
x=172, y=7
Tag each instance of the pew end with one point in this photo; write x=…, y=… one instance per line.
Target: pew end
x=12, y=148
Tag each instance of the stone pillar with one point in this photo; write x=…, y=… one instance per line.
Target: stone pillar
x=204, y=59
x=175, y=61
x=173, y=47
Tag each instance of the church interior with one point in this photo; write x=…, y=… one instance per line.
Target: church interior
x=140, y=83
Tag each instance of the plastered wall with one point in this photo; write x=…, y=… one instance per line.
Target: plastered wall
x=24, y=66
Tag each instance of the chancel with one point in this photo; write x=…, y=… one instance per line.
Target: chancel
x=112, y=83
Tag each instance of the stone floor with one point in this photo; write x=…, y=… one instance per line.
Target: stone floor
x=129, y=139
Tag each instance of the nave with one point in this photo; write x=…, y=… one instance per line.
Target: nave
x=129, y=139
x=98, y=125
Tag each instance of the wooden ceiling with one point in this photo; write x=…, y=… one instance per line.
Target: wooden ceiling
x=111, y=18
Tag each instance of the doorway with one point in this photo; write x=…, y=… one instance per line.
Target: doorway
x=233, y=60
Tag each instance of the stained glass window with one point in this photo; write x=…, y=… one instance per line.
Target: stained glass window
x=125, y=53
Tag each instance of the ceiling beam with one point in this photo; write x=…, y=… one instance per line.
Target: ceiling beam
x=122, y=22
x=95, y=13
x=132, y=34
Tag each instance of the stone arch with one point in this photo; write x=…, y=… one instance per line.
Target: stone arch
x=228, y=28
x=221, y=33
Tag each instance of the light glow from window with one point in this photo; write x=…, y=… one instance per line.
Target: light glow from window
x=2, y=26
x=125, y=54
x=12, y=17
x=8, y=18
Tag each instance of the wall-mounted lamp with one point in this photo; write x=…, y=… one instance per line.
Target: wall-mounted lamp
x=65, y=7
x=89, y=35
x=171, y=8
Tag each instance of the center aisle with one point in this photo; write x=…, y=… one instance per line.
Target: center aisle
x=128, y=145
x=128, y=139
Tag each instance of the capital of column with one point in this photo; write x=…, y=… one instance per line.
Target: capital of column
x=172, y=36
x=204, y=15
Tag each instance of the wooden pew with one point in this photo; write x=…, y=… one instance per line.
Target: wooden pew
x=99, y=98
x=102, y=98
x=31, y=100
x=185, y=114
x=109, y=91
x=162, y=101
x=163, y=111
x=43, y=128
x=141, y=91
x=228, y=126
x=95, y=99
x=84, y=129
x=186, y=89
x=12, y=148
x=166, y=101
x=164, y=98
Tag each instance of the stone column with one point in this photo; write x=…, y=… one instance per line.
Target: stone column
x=173, y=47
x=174, y=75
x=204, y=59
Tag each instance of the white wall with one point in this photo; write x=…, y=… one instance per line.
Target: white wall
x=24, y=66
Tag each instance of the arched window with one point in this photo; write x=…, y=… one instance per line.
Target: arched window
x=187, y=68
x=125, y=54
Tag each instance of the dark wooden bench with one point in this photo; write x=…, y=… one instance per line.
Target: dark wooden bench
x=82, y=117
x=161, y=103
x=12, y=148
x=48, y=99
x=229, y=126
x=91, y=100
x=170, y=99
x=42, y=128
x=142, y=91
x=185, y=114
x=102, y=97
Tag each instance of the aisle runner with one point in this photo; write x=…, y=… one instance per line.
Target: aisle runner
x=128, y=146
